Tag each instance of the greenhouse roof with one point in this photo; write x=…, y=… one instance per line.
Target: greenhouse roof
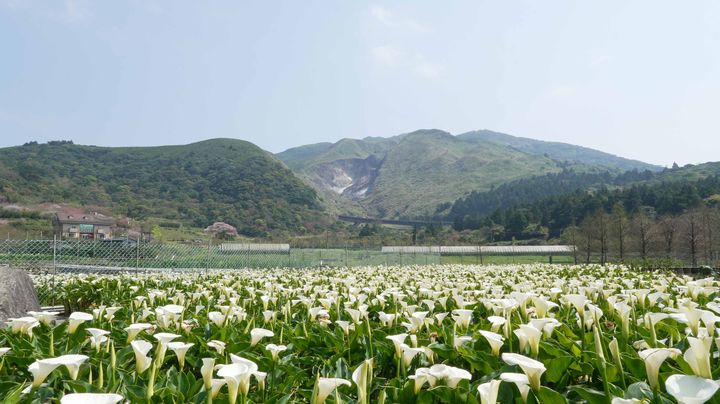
x=483, y=250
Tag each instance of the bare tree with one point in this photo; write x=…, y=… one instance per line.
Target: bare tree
x=603, y=232
x=619, y=228
x=586, y=233
x=691, y=234
x=709, y=225
x=667, y=228
x=595, y=227
x=642, y=229
x=572, y=236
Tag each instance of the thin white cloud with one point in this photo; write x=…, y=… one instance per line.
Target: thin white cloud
x=427, y=70
x=392, y=57
x=150, y=7
x=67, y=11
x=388, y=56
x=10, y=3
x=75, y=11
x=389, y=19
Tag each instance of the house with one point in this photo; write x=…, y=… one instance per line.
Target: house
x=76, y=224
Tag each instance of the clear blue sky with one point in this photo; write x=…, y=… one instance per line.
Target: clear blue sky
x=636, y=78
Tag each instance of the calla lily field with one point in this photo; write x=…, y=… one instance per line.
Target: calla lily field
x=387, y=334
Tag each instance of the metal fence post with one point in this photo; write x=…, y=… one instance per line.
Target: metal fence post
x=54, y=254
x=207, y=261
x=137, y=254
x=54, y=266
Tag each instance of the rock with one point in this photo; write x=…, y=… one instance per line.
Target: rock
x=17, y=294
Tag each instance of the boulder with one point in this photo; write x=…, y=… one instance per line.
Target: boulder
x=17, y=294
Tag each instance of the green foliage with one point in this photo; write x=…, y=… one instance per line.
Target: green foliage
x=480, y=204
x=411, y=174
x=216, y=180
x=330, y=322
x=560, y=211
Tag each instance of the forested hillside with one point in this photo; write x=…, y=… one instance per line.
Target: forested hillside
x=659, y=217
x=478, y=205
x=408, y=175
x=215, y=180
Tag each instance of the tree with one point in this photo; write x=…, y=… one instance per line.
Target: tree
x=222, y=231
x=156, y=233
x=691, y=231
x=587, y=237
x=691, y=234
x=710, y=219
x=596, y=228
x=571, y=235
x=641, y=227
x=619, y=227
x=668, y=229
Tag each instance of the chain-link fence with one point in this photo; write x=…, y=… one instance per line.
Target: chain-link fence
x=50, y=257
x=44, y=256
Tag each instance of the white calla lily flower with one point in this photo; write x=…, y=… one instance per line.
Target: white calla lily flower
x=533, y=369
x=275, y=350
x=206, y=370
x=495, y=340
x=362, y=377
x=462, y=317
x=44, y=317
x=397, y=341
x=219, y=346
x=257, y=334
x=698, y=356
x=23, y=325
x=215, y=387
x=142, y=361
x=442, y=373
x=134, y=329
x=97, y=337
x=654, y=358
x=409, y=354
x=489, y=392
x=690, y=389
x=235, y=374
x=324, y=386
x=77, y=318
x=520, y=380
x=180, y=349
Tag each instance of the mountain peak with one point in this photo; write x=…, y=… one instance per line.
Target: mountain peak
x=410, y=174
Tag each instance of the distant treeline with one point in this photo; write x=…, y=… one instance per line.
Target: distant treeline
x=671, y=219
x=556, y=213
x=21, y=214
x=51, y=143
x=478, y=205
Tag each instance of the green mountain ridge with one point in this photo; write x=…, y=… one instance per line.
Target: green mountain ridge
x=410, y=174
x=559, y=151
x=214, y=180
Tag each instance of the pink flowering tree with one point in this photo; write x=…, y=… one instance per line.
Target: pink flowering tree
x=222, y=231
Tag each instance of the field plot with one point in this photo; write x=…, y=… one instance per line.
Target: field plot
x=385, y=334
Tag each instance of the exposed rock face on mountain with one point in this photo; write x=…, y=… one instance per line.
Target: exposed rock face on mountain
x=351, y=178
x=410, y=174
